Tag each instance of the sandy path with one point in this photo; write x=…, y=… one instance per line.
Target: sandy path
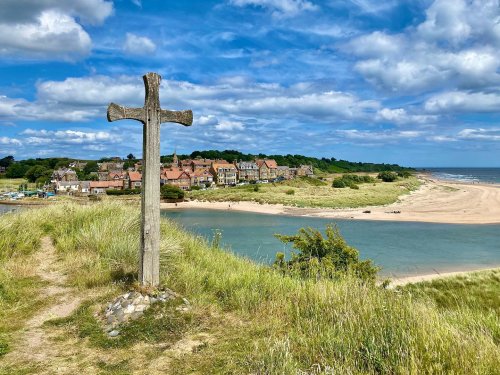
x=434, y=202
x=33, y=345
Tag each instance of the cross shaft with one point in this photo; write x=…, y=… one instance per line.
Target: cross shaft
x=151, y=116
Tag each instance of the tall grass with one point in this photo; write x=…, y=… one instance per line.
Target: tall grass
x=266, y=323
x=308, y=194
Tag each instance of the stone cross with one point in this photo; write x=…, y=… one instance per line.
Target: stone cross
x=151, y=116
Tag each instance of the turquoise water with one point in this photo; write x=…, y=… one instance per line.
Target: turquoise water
x=401, y=248
x=488, y=175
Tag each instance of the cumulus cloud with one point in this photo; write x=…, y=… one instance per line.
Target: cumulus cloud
x=138, y=45
x=378, y=136
x=458, y=101
x=49, y=28
x=456, y=46
x=279, y=8
x=10, y=141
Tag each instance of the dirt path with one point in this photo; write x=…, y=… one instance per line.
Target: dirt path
x=33, y=345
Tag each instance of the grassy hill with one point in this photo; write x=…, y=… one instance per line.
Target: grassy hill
x=244, y=318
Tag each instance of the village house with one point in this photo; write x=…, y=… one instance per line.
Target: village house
x=247, y=171
x=284, y=171
x=134, y=180
x=268, y=169
x=305, y=170
x=201, y=164
x=78, y=165
x=66, y=186
x=84, y=187
x=201, y=178
x=224, y=173
x=100, y=187
x=176, y=177
x=64, y=174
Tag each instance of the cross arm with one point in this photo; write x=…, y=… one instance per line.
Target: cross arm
x=181, y=117
x=117, y=112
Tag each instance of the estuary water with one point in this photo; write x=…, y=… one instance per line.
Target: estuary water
x=400, y=248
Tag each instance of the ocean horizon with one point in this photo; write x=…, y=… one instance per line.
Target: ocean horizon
x=489, y=175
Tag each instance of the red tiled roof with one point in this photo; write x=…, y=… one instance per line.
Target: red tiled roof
x=134, y=176
x=223, y=165
x=174, y=174
x=105, y=184
x=271, y=163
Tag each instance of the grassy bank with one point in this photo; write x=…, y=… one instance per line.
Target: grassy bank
x=245, y=318
x=303, y=193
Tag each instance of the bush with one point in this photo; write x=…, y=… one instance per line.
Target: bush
x=351, y=180
x=256, y=188
x=404, y=174
x=195, y=187
x=328, y=257
x=123, y=192
x=172, y=192
x=290, y=192
x=388, y=176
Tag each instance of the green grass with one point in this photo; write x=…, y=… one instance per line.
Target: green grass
x=12, y=184
x=312, y=193
x=258, y=321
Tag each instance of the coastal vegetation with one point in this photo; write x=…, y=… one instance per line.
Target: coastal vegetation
x=313, y=192
x=244, y=317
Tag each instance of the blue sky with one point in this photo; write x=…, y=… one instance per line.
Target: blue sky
x=409, y=82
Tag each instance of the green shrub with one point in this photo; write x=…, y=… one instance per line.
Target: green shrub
x=195, y=187
x=290, y=192
x=123, y=192
x=328, y=257
x=404, y=174
x=352, y=181
x=171, y=192
x=256, y=188
x=388, y=176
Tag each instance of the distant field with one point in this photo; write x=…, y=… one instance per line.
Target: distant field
x=12, y=184
x=306, y=194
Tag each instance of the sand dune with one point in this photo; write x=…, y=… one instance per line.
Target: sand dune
x=436, y=202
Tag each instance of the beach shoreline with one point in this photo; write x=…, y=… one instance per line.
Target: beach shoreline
x=405, y=280
x=436, y=201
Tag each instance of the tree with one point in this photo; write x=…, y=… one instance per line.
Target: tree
x=172, y=192
x=130, y=157
x=16, y=170
x=6, y=161
x=91, y=167
x=37, y=171
x=328, y=257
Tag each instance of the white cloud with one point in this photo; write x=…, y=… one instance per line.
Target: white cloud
x=49, y=29
x=480, y=134
x=138, y=45
x=456, y=46
x=378, y=136
x=401, y=116
x=66, y=136
x=207, y=120
x=279, y=8
x=458, y=101
x=9, y=141
x=229, y=125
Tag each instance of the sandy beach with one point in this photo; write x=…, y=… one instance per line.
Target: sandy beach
x=400, y=281
x=435, y=202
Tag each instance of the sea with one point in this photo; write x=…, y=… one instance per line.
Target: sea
x=468, y=175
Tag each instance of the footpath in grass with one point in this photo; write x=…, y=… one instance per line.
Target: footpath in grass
x=312, y=193
x=244, y=317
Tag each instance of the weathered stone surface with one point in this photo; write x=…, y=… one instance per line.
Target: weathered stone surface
x=132, y=305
